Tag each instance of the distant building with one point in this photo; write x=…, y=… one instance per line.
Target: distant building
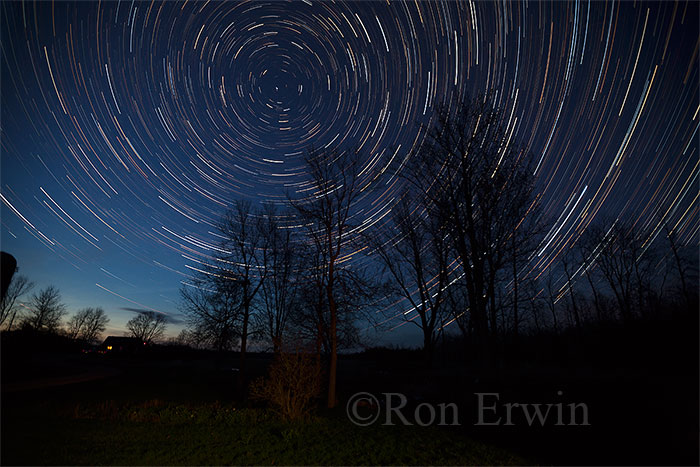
x=120, y=344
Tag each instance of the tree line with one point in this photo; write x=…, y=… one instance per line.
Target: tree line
x=455, y=248
x=285, y=276
x=44, y=311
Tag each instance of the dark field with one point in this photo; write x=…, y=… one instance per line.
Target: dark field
x=183, y=408
x=185, y=413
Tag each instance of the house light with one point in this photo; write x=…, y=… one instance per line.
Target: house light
x=109, y=347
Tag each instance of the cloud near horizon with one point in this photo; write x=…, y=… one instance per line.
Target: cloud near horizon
x=170, y=319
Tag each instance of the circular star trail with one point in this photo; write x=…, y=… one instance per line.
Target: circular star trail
x=128, y=128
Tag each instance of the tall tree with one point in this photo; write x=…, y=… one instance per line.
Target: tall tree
x=281, y=289
x=482, y=186
x=588, y=249
x=147, y=326
x=243, y=256
x=685, y=269
x=9, y=307
x=624, y=264
x=568, y=262
x=416, y=255
x=326, y=213
x=552, y=296
x=46, y=310
x=524, y=238
x=309, y=321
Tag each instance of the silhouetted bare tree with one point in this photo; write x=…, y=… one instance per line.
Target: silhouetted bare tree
x=326, y=214
x=686, y=269
x=147, y=326
x=588, y=248
x=525, y=238
x=244, y=246
x=281, y=288
x=87, y=324
x=19, y=285
x=482, y=185
x=212, y=306
x=535, y=303
x=191, y=338
x=568, y=261
x=624, y=263
x=551, y=297
x=46, y=310
x=416, y=254
x=310, y=320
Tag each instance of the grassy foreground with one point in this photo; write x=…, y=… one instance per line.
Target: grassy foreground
x=158, y=433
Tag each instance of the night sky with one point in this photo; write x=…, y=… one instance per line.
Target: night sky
x=129, y=127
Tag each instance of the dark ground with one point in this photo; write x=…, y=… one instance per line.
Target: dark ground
x=641, y=393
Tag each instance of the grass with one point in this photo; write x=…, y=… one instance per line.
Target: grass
x=167, y=433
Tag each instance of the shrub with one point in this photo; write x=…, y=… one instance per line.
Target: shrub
x=294, y=381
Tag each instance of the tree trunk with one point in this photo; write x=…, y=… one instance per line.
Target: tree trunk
x=12, y=320
x=493, y=312
x=553, y=310
x=596, y=301
x=681, y=271
x=577, y=318
x=333, y=367
x=244, y=345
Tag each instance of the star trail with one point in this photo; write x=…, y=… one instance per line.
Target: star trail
x=129, y=127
